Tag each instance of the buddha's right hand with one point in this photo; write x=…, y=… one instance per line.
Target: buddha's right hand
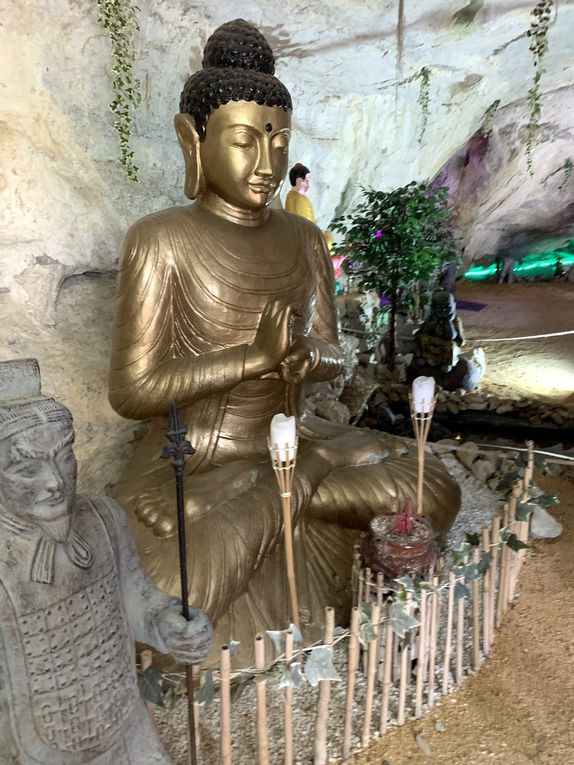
x=272, y=340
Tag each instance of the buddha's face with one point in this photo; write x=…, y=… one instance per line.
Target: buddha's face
x=38, y=477
x=244, y=155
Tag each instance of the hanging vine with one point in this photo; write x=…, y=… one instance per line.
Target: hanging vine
x=538, y=34
x=567, y=167
x=423, y=100
x=119, y=19
x=488, y=118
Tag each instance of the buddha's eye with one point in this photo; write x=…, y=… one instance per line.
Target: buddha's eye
x=243, y=141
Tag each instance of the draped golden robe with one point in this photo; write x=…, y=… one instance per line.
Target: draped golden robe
x=190, y=299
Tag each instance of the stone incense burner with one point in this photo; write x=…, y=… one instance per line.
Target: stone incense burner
x=400, y=543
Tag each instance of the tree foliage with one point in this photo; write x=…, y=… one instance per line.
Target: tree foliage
x=398, y=239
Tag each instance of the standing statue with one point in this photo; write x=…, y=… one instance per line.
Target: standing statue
x=438, y=348
x=297, y=201
x=227, y=308
x=73, y=597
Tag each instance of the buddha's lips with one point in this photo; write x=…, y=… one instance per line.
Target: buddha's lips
x=261, y=188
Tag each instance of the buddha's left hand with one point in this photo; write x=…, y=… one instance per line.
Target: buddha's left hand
x=187, y=641
x=302, y=357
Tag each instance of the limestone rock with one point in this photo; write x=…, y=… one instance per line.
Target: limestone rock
x=468, y=453
x=482, y=469
x=334, y=411
x=543, y=525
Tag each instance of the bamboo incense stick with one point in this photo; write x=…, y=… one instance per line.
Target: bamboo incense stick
x=387, y=667
x=476, y=602
x=404, y=675
x=321, y=722
x=458, y=674
x=448, y=639
x=435, y=605
x=351, y=680
x=225, y=692
x=421, y=654
x=371, y=674
x=486, y=595
x=261, y=693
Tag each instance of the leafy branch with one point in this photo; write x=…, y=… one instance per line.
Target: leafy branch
x=424, y=100
x=568, y=166
x=538, y=34
x=119, y=19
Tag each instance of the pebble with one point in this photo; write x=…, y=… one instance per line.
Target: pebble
x=423, y=745
x=439, y=726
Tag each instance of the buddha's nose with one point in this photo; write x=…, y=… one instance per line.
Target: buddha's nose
x=264, y=167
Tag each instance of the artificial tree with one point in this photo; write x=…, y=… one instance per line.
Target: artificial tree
x=396, y=240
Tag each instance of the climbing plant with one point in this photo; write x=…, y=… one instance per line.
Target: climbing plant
x=119, y=19
x=488, y=117
x=538, y=34
x=567, y=167
x=424, y=99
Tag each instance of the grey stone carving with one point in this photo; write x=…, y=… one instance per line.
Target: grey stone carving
x=73, y=598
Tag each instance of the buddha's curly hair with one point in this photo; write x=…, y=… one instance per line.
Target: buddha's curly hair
x=238, y=65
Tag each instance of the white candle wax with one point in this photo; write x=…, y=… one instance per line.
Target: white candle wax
x=283, y=436
x=423, y=394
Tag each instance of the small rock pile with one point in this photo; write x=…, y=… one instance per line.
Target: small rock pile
x=536, y=413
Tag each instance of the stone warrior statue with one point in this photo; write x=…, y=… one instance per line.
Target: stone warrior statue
x=227, y=308
x=73, y=597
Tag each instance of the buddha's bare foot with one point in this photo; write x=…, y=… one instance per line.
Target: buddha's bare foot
x=358, y=447
x=151, y=512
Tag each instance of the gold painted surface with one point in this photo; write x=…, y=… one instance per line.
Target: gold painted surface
x=226, y=307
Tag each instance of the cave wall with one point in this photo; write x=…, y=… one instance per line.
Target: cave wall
x=352, y=71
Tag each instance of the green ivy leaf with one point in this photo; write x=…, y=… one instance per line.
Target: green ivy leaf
x=546, y=500
x=461, y=591
x=207, y=690
x=484, y=563
x=401, y=622
x=150, y=685
x=319, y=666
x=473, y=538
x=367, y=633
x=523, y=510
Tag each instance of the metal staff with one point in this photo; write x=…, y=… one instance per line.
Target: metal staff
x=177, y=448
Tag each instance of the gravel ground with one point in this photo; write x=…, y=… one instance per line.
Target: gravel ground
x=478, y=505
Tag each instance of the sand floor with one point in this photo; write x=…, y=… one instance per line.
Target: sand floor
x=542, y=368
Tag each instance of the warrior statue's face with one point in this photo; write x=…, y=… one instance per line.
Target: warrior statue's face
x=38, y=476
x=245, y=152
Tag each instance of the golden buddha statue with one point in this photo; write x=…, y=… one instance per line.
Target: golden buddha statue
x=226, y=306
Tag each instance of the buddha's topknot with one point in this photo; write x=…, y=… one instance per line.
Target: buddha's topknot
x=238, y=45
x=238, y=65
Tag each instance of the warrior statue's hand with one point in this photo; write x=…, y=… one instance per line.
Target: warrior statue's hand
x=187, y=641
x=271, y=343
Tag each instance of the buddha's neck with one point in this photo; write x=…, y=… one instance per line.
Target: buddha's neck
x=218, y=206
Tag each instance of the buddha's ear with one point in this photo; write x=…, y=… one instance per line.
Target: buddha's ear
x=189, y=142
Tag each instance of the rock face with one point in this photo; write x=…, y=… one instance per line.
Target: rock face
x=66, y=202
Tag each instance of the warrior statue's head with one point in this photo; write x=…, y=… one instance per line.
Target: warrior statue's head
x=37, y=463
x=234, y=123
x=443, y=305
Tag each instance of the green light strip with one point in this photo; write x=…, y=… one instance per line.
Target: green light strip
x=540, y=262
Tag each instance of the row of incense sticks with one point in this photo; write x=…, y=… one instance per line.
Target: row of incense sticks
x=421, y=666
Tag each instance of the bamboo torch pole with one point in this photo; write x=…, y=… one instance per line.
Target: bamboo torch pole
x=282, y=446
x=288, y=699
x=422, y=403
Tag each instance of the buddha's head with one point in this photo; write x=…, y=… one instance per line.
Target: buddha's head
x=235, y=119
x=37, y=465
x=299, y=178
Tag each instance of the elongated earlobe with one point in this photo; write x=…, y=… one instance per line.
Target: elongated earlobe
x=189, y=142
